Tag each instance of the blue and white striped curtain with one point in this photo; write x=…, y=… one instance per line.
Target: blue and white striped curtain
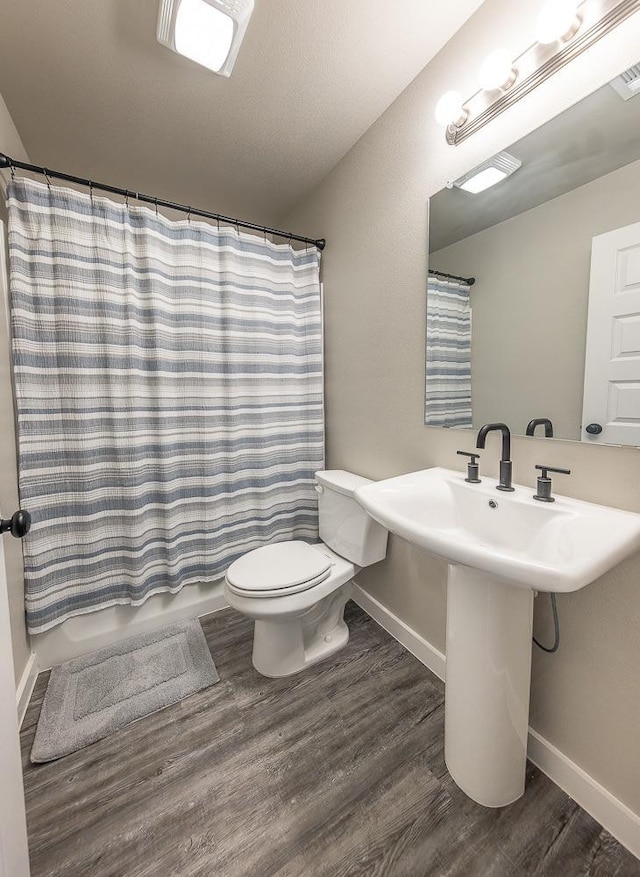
x=169, y=393
x=448, y=382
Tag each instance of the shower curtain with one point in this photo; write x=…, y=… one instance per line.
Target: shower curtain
x=168, y=379
x=448, y=381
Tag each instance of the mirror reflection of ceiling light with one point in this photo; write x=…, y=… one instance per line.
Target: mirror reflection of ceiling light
x=627, y=85
x=208, y=32
x=488, y=173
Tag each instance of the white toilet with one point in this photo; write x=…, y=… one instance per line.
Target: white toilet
x=297, y=592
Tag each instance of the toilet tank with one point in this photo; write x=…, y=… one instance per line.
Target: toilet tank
x=344, y=525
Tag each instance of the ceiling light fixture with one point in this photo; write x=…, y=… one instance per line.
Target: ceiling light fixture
x=487, y=174
x=565, y=29
x=208, y=32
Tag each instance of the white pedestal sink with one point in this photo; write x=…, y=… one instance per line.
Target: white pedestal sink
x=501, y=547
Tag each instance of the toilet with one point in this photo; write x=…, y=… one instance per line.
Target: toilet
x=296, y=592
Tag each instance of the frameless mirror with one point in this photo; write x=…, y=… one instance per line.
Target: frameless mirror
x=549, y=233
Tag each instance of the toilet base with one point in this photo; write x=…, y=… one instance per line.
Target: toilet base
x=282, y=647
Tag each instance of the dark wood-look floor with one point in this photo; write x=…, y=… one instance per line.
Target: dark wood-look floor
x=337, y=771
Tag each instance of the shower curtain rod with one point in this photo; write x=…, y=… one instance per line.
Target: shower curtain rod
x=468, y=280
x=11, y=163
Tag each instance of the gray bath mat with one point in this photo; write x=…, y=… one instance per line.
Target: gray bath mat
x=93, y=696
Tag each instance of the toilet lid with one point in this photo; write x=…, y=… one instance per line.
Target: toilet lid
x=279, y=567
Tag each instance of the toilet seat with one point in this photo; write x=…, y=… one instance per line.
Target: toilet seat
x=278, y=570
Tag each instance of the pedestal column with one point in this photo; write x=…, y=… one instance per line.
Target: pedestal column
x=488, y=678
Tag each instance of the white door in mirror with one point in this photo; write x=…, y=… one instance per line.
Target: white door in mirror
x=612, y=361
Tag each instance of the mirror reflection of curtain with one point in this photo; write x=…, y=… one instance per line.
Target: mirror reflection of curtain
x=448, y=381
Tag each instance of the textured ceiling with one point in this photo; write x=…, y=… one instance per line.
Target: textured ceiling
x=92, y=93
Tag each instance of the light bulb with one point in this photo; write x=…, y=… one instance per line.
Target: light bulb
x=449, y=110
x=498, y=71
x=558, y=20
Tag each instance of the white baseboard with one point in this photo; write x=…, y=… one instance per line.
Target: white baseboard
x=26, y=686
x=609, y=811
x=412, y=641
x=605, y=808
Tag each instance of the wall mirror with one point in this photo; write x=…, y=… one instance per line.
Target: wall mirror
x=550, y=328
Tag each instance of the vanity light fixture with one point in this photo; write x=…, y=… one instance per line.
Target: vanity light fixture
x=559, y=21
x=497, y=72
x=487, y=174
x=449, y=109
x=564, y=30
x=208, y=32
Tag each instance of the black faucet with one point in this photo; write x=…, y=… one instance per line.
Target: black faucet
x=505, y=461
x=540, y=421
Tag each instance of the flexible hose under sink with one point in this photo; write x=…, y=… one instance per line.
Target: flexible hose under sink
x=556, y=629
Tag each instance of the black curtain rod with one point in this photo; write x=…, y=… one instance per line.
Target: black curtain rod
x=11, y=163
x=468, y=280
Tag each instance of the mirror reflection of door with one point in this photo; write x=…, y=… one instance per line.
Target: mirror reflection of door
x=612, y=361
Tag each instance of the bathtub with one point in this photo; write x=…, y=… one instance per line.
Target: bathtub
x=86, y=633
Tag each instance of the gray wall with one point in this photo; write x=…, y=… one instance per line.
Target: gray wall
x=372, y=209
x=530, y=301
x=10, y=144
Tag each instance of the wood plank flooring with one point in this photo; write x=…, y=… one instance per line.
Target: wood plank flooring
x=337, y=771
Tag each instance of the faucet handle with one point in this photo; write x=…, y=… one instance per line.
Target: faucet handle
x=545, y=469
x=472, y=467
x=543, y=491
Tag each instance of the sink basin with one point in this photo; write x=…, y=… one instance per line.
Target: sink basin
x=500, y=548
x=560, y=546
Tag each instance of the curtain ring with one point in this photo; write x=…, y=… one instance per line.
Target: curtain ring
x=12, y=170
x=218, y=223
x=237, y=228
x=91, y=191
x=126, y=198
x=189, y=215
x=46, y=176
x=156, y=203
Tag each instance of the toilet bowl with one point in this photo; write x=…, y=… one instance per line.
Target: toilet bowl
x=296, y=592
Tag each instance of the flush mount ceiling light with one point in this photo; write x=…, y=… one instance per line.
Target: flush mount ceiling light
x=208, y=32
x=488, y=173
x=564, y=30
